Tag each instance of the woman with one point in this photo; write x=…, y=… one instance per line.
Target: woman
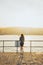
x=21, y=42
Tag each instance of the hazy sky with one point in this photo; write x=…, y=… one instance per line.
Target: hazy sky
x=27, y=13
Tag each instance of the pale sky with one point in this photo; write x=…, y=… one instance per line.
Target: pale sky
x=26, y=13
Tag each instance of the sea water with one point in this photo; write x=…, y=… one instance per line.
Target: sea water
x=32, y=42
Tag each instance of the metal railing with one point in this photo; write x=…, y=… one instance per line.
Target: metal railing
x=31, y=46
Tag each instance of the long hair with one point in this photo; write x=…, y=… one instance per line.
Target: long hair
x=22, y=38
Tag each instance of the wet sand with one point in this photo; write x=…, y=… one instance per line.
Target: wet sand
x=21, y=59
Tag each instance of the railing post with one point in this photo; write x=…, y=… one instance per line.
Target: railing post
x=30, y=47
x=16, y=43
x=3, y=46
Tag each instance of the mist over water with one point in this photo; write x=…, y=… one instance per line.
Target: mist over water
x=11, y=46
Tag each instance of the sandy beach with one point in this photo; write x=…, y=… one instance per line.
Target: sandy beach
x=14, y=58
